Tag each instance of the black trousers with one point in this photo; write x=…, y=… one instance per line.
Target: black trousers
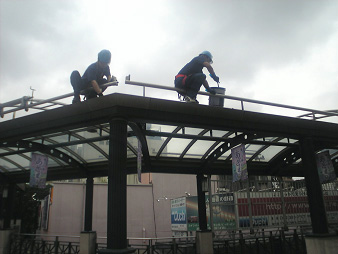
x=192, y=84
x=79, y=84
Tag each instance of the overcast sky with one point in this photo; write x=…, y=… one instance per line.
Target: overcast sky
x=277, y=51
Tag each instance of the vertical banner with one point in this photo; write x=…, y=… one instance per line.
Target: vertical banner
x=178, y=214
x=239, y=166
x=139, y=160
x=325, y=167
x=38, y=167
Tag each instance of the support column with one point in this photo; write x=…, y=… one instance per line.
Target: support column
x=314, y=188
x=204, y=241
x=88, y=220
x=117, y=189
x=5, y=233
x=9, y=206
x=202, y=214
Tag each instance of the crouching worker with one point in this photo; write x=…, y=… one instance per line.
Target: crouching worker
x=190, y=78
x=92, y=78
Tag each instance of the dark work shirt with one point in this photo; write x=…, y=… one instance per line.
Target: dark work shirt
x=94, y=72
x=194, y=66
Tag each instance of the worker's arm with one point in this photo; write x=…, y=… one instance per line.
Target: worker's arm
x=209, y=68
x=211, y=71
x=96, y=87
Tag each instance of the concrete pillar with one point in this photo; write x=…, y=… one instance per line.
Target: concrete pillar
x=323, y=244
x=204, y=242
x=117, y=189
x=5, y=236
x=88, y=242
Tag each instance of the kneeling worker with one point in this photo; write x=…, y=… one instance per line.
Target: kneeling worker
x=93, y=77
x=190, y=78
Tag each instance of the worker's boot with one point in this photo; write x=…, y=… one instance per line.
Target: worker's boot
x=75, y=81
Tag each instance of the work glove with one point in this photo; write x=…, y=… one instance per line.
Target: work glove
x=214, y=77
x=210, y=90
x=113, y=78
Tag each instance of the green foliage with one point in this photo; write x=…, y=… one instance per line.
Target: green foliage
x=28, y=205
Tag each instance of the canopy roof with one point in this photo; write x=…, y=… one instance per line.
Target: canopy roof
x=176, y=138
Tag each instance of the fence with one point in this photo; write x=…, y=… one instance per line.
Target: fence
x=37, y=244
x=271, y=242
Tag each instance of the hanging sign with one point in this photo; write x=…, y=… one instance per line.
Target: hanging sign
x=325, y=167
x=239, y=166
x=38, y=170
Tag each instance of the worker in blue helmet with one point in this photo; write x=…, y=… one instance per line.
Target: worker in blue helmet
x=191, y=77
x=96, y=74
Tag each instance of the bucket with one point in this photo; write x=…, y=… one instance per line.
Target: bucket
x=217, y=101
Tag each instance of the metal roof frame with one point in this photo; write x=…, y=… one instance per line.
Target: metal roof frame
x=30, y=133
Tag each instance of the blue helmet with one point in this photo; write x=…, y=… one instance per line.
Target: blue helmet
x=104, y=56
x=208, y=54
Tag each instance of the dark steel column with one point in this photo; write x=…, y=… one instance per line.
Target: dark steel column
x=314, y=188
x=9, y=206
x=88, y=222
x=202, y=213
x=117, y=186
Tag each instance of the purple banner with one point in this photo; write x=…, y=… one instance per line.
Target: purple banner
x=239, y=167
x=38, y=167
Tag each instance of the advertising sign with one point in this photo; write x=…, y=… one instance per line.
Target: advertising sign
x=223, y=207
x=178, y=214
x=223, y=213
x=268, y=210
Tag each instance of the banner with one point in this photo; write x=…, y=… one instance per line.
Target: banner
x=38, y=167
x=239, y=166
x=139, y=160
x=178, y=214
x=325, y=167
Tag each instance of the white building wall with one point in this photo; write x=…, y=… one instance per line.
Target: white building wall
x=66, y=214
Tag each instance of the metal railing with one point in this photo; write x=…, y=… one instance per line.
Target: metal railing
x=271, y=242
x=278, y=241
x=313, y=113
x=44, y=244
x=27, y=102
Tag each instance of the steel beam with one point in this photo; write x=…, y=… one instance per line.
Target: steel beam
x=314, y=188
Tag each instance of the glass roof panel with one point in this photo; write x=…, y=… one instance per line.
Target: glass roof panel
x=198, y=149
x=217, y=133
x=251, y=150
x=175, y=147
x=161, y=128
x=192, y=131
x=270, y=152
x=88, y=152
